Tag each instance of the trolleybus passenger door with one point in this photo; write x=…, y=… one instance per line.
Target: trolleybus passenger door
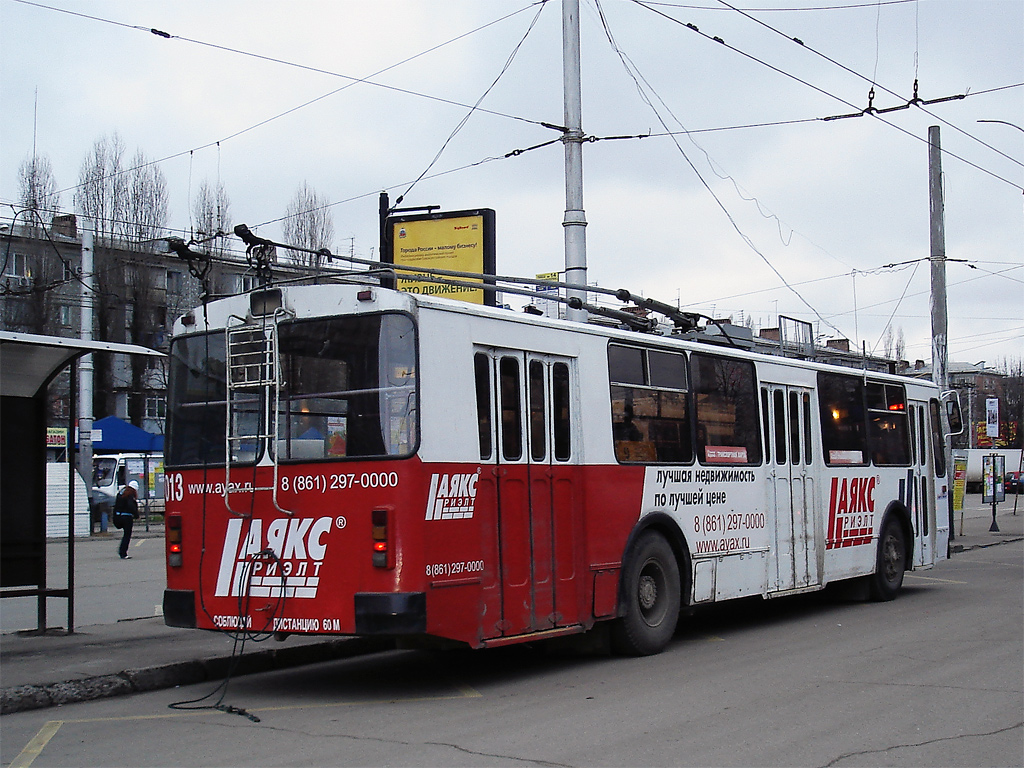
x=921, y=485
x=792, y=485
x=536, y=509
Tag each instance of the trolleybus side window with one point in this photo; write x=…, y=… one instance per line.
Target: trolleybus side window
x=198, y=394
x=780, y=427
x=560, y=405
x=807, y=428
x=766, y=425
x=538, y=436
x=725, y=400
x=938, y=447
x=349, y=387
x=841, y=404
x=650, y=405
x=482, y=376
x=794, y=428
x=888, y=432
x=511, y=414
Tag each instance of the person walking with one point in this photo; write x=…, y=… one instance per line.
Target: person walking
x=126, y=512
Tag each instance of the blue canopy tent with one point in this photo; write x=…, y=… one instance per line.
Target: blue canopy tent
x=120, y=436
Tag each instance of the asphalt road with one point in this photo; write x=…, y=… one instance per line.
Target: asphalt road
x=933, y=678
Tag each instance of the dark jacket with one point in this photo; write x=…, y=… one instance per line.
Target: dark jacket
x=127, y=503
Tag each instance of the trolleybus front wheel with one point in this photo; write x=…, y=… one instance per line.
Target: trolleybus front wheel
x=650, y=587
x=890, y=561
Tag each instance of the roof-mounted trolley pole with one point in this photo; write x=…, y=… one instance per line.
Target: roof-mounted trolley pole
x=575, y=221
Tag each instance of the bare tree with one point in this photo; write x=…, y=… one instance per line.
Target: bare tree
x=901, y=344
x=146, y=205
x=308, y=224
x=101, y=192
x=31, y=304
x=887, y=342
x=211, y=212
x=130, y=204
x=38, y=187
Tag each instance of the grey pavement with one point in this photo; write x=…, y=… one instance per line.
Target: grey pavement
x=120, y=646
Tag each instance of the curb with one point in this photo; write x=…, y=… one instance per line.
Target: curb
x=957, y=548
x=25, y=697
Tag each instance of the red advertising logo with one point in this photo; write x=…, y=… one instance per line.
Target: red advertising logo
x=851, y=512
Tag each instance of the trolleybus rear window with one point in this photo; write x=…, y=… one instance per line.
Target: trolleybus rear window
x=198, y=393
x=347, y=389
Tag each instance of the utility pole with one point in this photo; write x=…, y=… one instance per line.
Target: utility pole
x=85, y=367
x=575, y=221
x=940, y=350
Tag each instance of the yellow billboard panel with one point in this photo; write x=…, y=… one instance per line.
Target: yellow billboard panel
x=460, y=242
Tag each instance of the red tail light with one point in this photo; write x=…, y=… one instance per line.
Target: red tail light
x=174, y=549
x=379, y=538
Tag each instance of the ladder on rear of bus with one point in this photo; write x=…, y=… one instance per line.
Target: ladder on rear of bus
x=253, y=389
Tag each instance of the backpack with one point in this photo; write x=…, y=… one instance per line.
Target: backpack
x=118, y=523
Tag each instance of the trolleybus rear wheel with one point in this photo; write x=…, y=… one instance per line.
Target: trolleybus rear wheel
x=650, y=587
x=890, y=561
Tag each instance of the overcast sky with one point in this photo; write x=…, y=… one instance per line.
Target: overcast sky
x=716, y=220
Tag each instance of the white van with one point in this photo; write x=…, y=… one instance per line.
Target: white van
x=113, y=471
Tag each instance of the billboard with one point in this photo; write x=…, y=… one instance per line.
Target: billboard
x=459, y=241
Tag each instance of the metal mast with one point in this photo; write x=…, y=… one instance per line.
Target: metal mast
x=575, y=221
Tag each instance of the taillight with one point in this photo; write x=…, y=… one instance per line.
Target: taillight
x=174, y=540
x=379, y=537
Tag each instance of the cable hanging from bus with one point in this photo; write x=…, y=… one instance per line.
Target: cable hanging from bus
x=349, y=459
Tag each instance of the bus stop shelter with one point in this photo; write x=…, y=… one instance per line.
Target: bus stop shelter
x=28, y=364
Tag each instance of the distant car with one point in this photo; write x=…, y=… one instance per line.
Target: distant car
x=1013, y=482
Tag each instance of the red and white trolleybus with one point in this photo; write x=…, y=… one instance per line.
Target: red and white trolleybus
x=347, y=459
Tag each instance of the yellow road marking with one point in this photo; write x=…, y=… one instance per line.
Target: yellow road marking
x=465, y=692
x=35, y=746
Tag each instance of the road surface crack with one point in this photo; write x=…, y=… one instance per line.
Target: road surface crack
x=861, y=753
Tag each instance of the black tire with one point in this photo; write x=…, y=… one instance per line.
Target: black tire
x=650, y=597
x=890, y=561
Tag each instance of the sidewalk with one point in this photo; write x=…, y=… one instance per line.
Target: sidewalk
x=132, y=655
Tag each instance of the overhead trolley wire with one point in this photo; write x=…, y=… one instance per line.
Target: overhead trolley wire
x=352, y=79
x=462, y=123
x=637, y=77
x=686, y=6
x=914, y=101
x=791, y=76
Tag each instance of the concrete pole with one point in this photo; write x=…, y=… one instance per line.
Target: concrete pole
x=575, y=221
x=85, y=367
x=940, y=352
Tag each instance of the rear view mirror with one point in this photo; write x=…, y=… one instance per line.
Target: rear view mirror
x=953, y=413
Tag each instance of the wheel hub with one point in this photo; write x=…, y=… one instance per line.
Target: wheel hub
x=647, y=592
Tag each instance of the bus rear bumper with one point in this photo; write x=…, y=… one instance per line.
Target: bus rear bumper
x=390, y=613
x=180, y=608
